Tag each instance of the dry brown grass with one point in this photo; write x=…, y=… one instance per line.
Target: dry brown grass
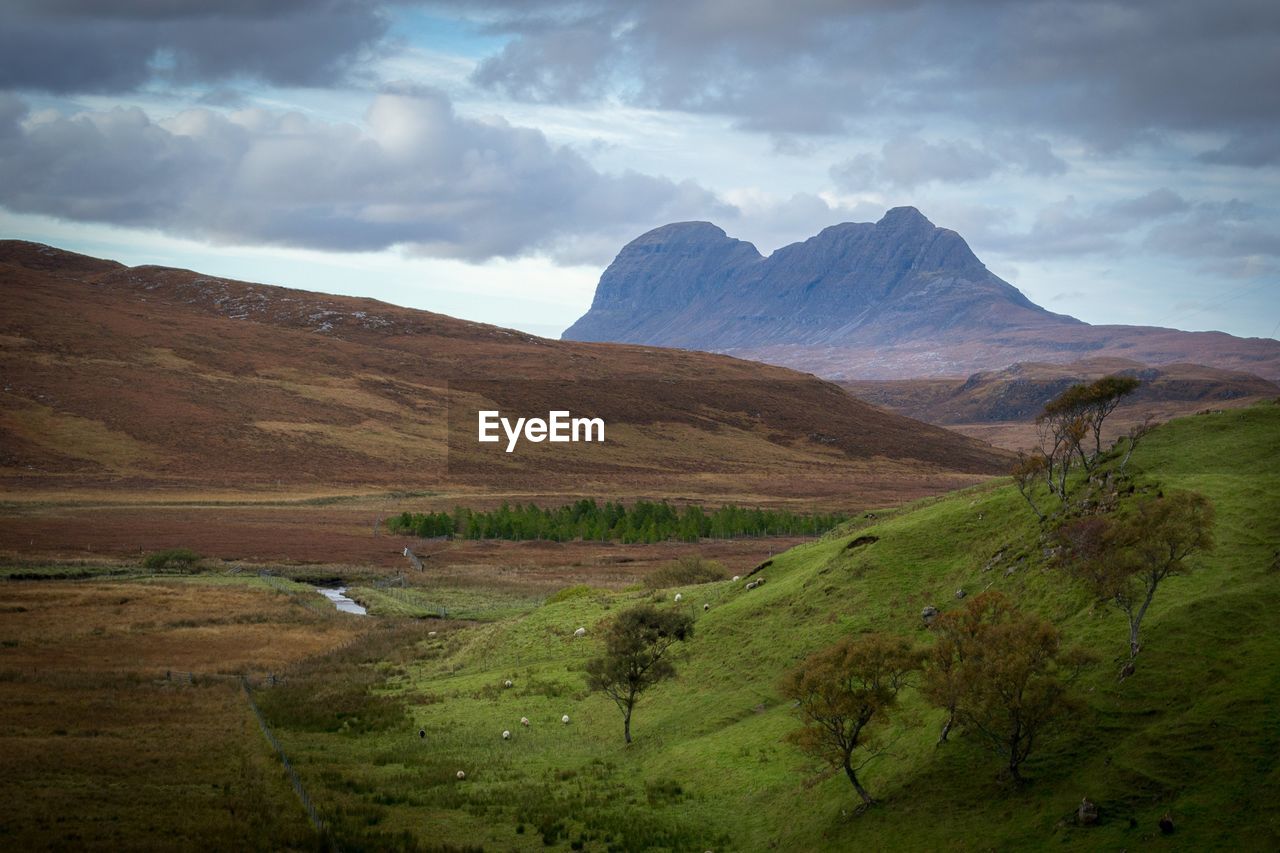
x=102, y=751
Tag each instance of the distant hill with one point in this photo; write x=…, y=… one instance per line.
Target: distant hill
x=119, y=377
x=1000, y=406
x=900, y=298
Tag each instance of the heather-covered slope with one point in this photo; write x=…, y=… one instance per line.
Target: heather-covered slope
x=117, y=377
x=1000, y=406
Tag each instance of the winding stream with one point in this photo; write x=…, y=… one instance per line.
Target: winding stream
x=340, y=600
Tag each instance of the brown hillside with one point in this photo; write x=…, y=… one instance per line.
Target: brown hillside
x=1000, y=405
x=119, y=378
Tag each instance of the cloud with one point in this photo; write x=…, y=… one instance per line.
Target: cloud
x=908, y=161
x=70, y=46
x=1233, y=231
x=1249, y=149
x=1232, y=235
x=1154, y=205
x=1109, y=72
x=417, y=175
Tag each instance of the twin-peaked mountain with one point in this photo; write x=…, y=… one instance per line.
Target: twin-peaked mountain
x=896, y=298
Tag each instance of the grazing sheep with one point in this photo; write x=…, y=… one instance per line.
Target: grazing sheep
x=706, y=607
x=431, y=634
x=506, y=735
x=565, y=719
x=751, y=585
x=678, y=597
x=422, y=733
x=581, y=632
x=524, y=721
x=461, y=775
x=737, y=578
x=507, y=683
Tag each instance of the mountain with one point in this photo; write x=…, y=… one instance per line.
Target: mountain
x=149, y=377
x=1000, y=406
x=900, y=298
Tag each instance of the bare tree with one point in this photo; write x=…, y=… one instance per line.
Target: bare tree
x=1136, y=433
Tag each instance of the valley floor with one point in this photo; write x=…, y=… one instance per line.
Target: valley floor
x=379, y=713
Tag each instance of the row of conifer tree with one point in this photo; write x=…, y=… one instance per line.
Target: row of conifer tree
x=643, y=521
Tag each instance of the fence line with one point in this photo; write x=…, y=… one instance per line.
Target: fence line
x=312, y=813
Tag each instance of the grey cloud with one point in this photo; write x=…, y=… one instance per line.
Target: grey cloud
x=420, y=176
x=1110, y=72
x=562, y=64
x=1231, y=230
x=1161, y=221
x=1153, y=205
x=82, y=46
x=1261, y=148
x=909, y=161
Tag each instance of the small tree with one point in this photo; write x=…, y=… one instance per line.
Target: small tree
x=1063, y=428
x=1002, y=675
x=1124, y=560
x=1101, y=399
x=637, y=656
x=843, y=691
x=1136, y=433
x=1026, y=475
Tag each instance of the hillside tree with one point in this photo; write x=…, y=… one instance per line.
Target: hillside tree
x=1063, y=429
x=1124, y=560
x=638, y=651
x=1001, y=675
x=843, y=693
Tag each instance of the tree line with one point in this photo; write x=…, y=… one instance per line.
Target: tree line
x=612, y=521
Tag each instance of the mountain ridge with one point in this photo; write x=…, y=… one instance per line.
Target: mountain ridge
x=899, y=298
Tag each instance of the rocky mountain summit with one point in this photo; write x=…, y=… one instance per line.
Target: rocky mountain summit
x=892, y=299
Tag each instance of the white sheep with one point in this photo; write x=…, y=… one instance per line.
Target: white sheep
x=524, y=721
x=565, y=719
x=431, y=634
x=581, y=632
x=461, y=775
x=507, y=683
x=706, y=607
x=737, y=578
x=751, y=585
x=678, y=597
x=506, y=735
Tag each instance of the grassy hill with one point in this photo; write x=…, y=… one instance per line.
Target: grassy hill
x=1196, y=732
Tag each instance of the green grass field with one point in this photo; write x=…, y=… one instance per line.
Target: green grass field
x=1196, y=732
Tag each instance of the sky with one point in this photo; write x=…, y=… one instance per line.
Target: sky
x=1117, y=161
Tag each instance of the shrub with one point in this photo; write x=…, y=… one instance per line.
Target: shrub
x=569, y=593
x=687, y=571
x=173, y=558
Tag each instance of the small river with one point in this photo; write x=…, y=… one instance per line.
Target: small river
x=339, y=598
